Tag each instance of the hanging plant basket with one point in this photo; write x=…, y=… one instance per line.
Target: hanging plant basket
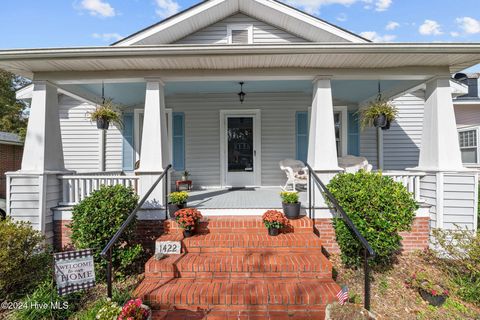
x=380, y=121
x=103, y=124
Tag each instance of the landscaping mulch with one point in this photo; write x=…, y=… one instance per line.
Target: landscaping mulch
x=392, y=299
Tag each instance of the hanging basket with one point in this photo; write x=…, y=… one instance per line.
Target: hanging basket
x=380, y=121
x=103, y=124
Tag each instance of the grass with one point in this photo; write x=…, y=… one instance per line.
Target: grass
x=392, y=299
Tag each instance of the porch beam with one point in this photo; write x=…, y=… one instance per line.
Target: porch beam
x=440, y=150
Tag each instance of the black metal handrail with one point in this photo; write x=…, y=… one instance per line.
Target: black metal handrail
x=369, y=253
x=107, y=251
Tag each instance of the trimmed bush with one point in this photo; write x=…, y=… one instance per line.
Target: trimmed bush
x=97, y=218
x=379, y=207
x=23, y=263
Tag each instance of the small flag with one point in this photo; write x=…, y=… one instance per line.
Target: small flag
x=342, y=295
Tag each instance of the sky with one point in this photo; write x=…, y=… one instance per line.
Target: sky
x=69, y=23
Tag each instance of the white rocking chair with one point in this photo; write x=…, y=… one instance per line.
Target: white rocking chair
x=296, y=171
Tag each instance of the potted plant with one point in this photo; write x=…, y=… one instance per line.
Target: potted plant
x=106, y=113
x=290, y=204
x=185, y=175
x=187, y=220
x=378, y=114
x=430, y=290
x=135, y=310
x=176, y=201
x=274, y=220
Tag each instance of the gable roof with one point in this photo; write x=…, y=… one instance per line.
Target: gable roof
x=272, y=12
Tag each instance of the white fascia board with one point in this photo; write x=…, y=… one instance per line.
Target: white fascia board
x=27, y=92
x=458, y=89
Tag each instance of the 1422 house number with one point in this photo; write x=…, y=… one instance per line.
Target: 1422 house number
x=168, y=247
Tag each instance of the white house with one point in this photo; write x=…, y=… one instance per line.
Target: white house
x=178, y=83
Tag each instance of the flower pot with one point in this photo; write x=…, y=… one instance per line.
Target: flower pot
x=149, y=311
x=272, y=232
x=433, y=300
x=387, y=126
x=380, y=121
x=184, y=178
x=188, y=233
x=103, y=124
x=291, y=210
x=173, y=207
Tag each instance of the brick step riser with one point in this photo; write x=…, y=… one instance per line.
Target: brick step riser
x=246, y=250
x=240, y=307
x=327, y=276
x=261, y=231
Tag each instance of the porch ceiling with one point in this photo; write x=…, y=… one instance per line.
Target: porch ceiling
x=347, y=91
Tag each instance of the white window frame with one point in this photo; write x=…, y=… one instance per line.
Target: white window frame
x=136, y=132
x=248, y=27
x=343, y=110
x=477, y=130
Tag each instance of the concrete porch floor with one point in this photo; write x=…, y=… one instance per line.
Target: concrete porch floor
x=247, y=198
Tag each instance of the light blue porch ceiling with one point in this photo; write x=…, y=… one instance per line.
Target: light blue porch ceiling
x=348, y=91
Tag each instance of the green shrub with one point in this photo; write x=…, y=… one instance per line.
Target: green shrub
x=459, y=254
x=178, y=197
x=23, y=264
x=379, y=207
x=45, y=304
x=97, y=218
x=289, y=197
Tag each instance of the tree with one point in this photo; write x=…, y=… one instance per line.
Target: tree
x=13, y=113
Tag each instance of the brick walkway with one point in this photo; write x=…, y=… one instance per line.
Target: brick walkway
x=233, y=270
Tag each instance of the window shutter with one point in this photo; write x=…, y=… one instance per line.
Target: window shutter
x=301, y=133
x=353, y=141
x=178, y=141
x=239, y=36
x=128, y=157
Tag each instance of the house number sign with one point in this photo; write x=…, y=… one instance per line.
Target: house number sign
x=168, y=247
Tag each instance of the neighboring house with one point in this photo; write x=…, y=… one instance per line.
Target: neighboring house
x=467, y=115
x=178, y=82
x=11, y=149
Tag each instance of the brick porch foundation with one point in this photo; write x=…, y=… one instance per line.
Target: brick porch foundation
x=416, y=239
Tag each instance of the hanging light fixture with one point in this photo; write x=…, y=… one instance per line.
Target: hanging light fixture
x=241, y=94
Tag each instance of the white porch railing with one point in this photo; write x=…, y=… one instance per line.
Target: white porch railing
x=411, y=181
x=79, y=186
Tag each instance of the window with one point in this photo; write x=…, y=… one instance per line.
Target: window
x=469, y=145
x=240, y=34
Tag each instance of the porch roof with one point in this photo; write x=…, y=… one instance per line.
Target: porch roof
x=455, y=56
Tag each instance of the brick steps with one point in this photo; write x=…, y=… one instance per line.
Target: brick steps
x=256, y=265
x=245, y=294
x=232, y=269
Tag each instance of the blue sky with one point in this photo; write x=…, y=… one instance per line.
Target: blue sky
x=63, y=23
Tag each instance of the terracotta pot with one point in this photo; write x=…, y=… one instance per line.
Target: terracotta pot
x=173, y=207
x=380, y=121
x=291, y=210
x=103, y=124
x=188, y=233
x=433, y=300
x=273, y=232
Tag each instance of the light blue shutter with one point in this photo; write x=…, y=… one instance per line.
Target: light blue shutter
x=353, y=134
x=178, y=141
x=128, y=158
x=301, y=133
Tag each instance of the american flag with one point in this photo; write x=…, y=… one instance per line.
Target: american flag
x=342, y=295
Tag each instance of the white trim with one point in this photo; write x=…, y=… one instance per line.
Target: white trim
x=475, y=204
x=439, y=204
x=256, y=113
x=136, y=131
x=248, y=27
x=343, y=110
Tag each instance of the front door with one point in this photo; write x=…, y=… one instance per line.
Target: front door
x=240, y=150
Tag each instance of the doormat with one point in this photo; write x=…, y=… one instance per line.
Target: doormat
x=241, y=189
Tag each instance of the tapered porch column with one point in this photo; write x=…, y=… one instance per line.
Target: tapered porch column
x=322, y=149
x=440, y=150
x=43, y=144
x=154, y=153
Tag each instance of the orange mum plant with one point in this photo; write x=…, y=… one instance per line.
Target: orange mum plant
x=187, y=218
x=274, y=219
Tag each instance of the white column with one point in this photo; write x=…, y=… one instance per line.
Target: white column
x=43, y=144
x=322, y=148
x=154, y=153
x=440, y=150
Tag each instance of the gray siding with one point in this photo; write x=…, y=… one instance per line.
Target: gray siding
x=402, y=142
x=81, y=138
x=202, y=131
x=24, y=199
x=460, y=200
x=52, y=198
x=467, y=115
x=262, y=32
x=428, y=192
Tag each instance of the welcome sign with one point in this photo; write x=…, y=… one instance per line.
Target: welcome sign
x=74, y=271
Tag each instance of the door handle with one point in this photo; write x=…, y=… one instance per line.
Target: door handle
x=254, y=153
